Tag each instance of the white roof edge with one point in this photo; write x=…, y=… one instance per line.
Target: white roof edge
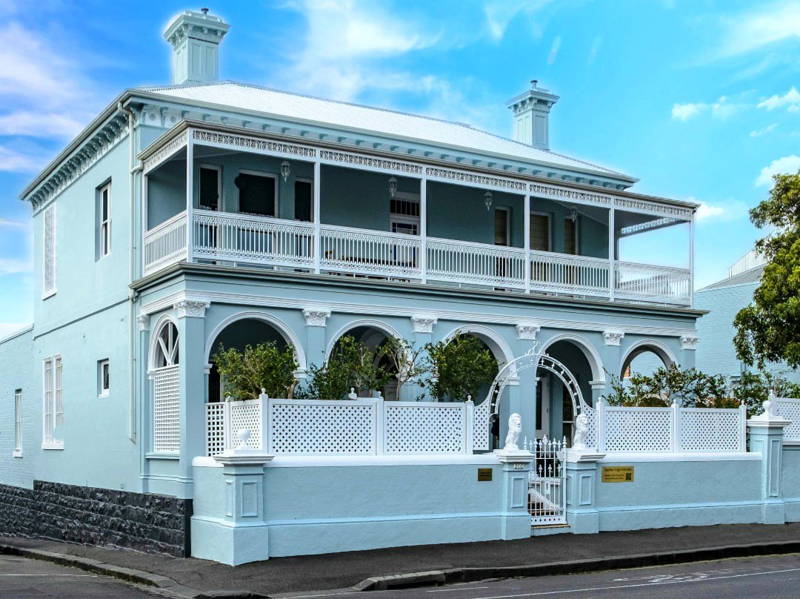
x=582, y=165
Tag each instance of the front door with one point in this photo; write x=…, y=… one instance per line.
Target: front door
x=543, y=406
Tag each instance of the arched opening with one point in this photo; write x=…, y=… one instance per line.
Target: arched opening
x=555, y=408
x=645, y=358
x=165, y=346
x=489, y=344
x=374, y=338
x=239, y=334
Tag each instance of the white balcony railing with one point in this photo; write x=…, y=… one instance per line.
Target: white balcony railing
x=251, y=239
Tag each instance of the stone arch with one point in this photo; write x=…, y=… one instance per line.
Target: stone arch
x=647, y=345
x=499, y=347
x=587, y=349
x=163, y=320
x=281, y=327
x=372, y=323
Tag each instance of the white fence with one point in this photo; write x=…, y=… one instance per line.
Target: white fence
x=348, y=427
x=789, y=409
x=666, y=430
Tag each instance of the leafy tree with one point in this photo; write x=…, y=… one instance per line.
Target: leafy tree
x=768, y=330
x=263, y=366
x=406, y=361
x=459, y=367
x=686, y=387
x=753, y=388
x=351, y=364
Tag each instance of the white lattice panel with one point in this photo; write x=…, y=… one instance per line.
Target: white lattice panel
x=638, y=429
x=166, y=410
x=246, y=414
x=790, y=410
x=480, y=426
x=304, y=427
x=420, y=427
x=706, y=429
x=215, y=428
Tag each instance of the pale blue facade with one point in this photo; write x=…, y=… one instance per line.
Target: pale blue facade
x=567, y=291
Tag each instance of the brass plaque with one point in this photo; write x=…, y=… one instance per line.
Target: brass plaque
x=484, y=474
x=617, y=474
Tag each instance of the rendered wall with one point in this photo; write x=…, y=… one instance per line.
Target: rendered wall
x=17, y=368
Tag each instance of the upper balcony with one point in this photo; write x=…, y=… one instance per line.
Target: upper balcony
x=282, y=205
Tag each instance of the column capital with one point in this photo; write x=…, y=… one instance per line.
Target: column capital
x=613, y=337
x=143, y=320
x=316, y=317
x=423, y=323
x=527, y=330
x=191, y=308
x=689, y=342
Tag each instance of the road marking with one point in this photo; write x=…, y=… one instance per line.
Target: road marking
x=460, y=587
x=631, y=586
x=50, y=574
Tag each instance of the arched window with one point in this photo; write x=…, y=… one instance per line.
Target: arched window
x=166, y=353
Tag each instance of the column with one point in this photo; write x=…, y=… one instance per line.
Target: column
x=516, y=520
x=423, y=228
x=422, y=324
x=612, y=246
x=582, y=514
x=691, y=261
x=189, y=196
x=766, y=437
x=191, y=340
x=316, y=337
x=688, y=350
x=527, y=211
x=317, y=219
x=522, y=396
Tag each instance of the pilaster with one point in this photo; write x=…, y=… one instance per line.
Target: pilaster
x=766, y=437
x=316, y=334
x=516, y=520
x=582, y=514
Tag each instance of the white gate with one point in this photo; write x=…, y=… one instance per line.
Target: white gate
x=547, y=483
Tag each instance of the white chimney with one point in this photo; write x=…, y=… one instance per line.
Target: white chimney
x=195, y=38
x=531, y=116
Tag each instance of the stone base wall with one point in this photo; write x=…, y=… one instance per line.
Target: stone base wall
x=152, y=523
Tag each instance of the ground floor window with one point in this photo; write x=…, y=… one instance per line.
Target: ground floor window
x=53, y=411
x=18, y=423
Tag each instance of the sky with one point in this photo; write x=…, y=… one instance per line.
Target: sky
x=697, y=98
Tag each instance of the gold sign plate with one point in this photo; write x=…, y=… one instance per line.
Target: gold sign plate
x=484, y=474
x=617, y=474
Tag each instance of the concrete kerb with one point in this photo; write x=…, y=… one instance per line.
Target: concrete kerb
x=164, y=586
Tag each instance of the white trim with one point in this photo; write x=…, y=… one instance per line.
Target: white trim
x=284, y=329
x=586, y=347
x=101, y=390
x=257, y=173
x=449, y=459
x=104, y=246
x=159, y=324
x=385, y=311
x=363, y=322
x=658, y=348
x=622, y=458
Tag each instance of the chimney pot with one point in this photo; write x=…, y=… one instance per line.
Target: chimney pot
x=195, y=38
x=531, y=111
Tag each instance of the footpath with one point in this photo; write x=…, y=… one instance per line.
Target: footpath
x=319, y=575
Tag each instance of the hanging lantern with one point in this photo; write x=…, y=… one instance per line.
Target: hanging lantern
x=392, y=186
x=487, y=200
x=286, y=168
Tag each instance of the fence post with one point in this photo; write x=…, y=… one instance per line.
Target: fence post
x=265, y=428
x=469, y=423
x=675, y=425
x=380, y=426
x=742, y=427
x=601, y=425
x=226, y=424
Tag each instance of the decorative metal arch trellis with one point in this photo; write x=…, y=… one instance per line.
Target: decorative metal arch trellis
x=536, y=359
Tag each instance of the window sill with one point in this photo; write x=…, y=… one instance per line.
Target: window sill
x=17, y=453
x=49, y=294
x=103, y=395
x=162, y=456
x=53, y=445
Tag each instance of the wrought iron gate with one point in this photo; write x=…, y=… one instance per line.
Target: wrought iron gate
x=547, y=482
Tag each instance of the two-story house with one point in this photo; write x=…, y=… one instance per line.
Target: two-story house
x=207, y=212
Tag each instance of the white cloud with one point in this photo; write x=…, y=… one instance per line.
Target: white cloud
x=5, y=222
x=683, y=112
x=764, y=130
x=721, y=110
x=14, y=161
x=707, y=212
x=9, y=328
x=39, y=124
x=785, y=165
x=791, y=100
x=500, y=13
x=769, y=23
x=10, y=266
x=554, y=48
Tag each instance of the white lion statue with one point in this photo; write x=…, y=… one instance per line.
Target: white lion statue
x=514, y=430
x=581, y=429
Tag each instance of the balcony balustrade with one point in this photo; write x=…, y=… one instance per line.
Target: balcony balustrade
x=280, y=243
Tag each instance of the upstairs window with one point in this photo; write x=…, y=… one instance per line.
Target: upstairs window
x=571, y=235
x=49, y=251
x=17, y=423
x=210, y=187
x=103, y=378
x=257, y=193
x=53, y=411
x=540, y=232
x=303, y=200
x=104, y=220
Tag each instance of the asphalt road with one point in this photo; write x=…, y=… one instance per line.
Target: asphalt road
x=771, y=577
x=22, y=578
